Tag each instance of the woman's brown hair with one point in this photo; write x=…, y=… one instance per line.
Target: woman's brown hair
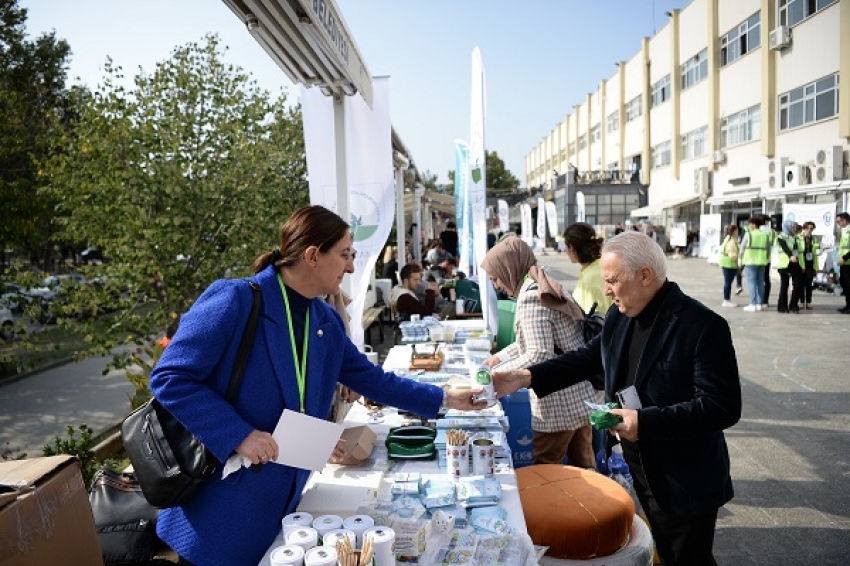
x=310, y=226
x=582, y=238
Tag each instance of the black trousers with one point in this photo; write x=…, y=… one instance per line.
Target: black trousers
x=844, y=280
x=766, y=297
x=808, y=283
x=680, y=541
x=792, y=274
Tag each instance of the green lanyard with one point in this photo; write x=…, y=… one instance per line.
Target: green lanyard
x=300, y=371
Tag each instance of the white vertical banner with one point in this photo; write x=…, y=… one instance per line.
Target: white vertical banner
x=541, y=221
x=823, y=215
x=371, y=189
x=552, y=218
x=504, y=225
x=478, y=188
x=679, y=235
x=525, y=224
x=580, y=217
x=710, y=232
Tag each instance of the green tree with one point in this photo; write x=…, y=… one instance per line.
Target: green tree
x=498, y=176
x=32, y=102
x=181, y=179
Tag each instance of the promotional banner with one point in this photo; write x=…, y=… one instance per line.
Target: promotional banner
x=504, y=225
x=710, y=233
x=679, y=235
x=371, y=192
x=580, y=207
x=462, y=215
x=478, y=189
x=541, y=222
x=823, y=215
x=525, y=224
x=552, y=218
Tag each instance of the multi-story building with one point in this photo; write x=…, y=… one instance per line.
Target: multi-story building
x=733, y=107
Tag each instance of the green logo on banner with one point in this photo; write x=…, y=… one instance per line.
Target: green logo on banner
x=476, y=175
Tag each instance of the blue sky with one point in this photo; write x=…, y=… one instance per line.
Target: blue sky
x=541, y=57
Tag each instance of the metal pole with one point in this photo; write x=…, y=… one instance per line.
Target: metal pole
x=342, y=205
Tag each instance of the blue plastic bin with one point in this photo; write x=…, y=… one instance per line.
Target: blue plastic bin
x=520, y=435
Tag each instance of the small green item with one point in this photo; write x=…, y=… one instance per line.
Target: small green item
x=603, y=419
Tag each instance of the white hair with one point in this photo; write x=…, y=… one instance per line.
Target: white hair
x=636, y=251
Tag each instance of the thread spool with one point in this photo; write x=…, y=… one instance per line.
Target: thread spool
x=305, y=537
x=321, y=556
x=325, y=523
x=294, y=521
x=359, y=524
x=383, y=539
x=332, y=537
x=287, y=555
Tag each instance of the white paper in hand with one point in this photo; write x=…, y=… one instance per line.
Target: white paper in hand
x=305, y=442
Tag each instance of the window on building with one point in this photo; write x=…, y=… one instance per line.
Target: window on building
x=572, y=148
x=660, y=92
x=694, y=69
x=809, y=103
x=694, y=143
x=660, y=155
x=614, y=121
x=562, y=155
x=745, y=37
x=595, y=133
x=582, y=141
x=792, y=12
x=741, y=127
x=633, y=109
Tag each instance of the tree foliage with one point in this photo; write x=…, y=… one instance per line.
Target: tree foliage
x=32, y=104
x=498, y=176
x=181, y=179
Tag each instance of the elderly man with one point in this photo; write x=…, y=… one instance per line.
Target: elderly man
x=670, y=362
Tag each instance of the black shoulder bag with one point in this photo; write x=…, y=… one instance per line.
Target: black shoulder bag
x=169, y=462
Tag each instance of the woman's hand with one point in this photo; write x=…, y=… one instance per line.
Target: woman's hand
x=259, y=447
x=349, y=395
x=507, y=382
x=339, y=452
x=462, y=399
x=492, y=361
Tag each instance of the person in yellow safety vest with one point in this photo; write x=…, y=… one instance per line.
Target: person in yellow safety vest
x=754, y=257
x=810, y=246
x=728, y=261
x=790, y=270
x=768, y=228
x=843, y=220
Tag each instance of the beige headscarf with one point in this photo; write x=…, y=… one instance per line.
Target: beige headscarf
x=511, y=260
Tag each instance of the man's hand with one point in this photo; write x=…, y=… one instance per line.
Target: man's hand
x=491, y=361
x=461, y=399
x=510, y=381
x=628, y=427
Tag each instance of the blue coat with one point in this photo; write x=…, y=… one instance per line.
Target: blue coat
x=233, y=521
x=690, y=390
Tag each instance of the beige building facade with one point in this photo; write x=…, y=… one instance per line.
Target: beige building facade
x=733, y=107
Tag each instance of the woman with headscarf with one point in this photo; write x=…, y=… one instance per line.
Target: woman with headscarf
x=790, y=269
x=547, y=323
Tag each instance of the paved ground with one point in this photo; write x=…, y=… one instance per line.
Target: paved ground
x=790, y=452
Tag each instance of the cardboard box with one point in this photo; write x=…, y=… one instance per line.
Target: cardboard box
x=45, y=517
x=358, y=446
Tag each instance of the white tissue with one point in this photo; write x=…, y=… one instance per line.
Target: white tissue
x=234, y=464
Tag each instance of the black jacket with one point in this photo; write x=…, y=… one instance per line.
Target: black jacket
x=690, y=390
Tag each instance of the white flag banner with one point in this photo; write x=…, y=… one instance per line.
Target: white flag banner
x=464, y=222
x=823, y=215
x=541, y=221
x=504, y=225
x=679, y=235
x=478, y=188
x=552, y=218
x=371, y=189
x=709, y=233
x=525, y=224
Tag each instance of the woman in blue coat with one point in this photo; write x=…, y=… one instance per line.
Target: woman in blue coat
x=299, y=354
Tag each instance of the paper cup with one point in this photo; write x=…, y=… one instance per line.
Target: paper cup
x=482, y=457
x=457, y=461
x=287, y=555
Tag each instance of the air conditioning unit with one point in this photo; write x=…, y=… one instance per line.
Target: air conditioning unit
x=775, y=171
x=829, y=165
x=718, y=157
x=780, y=38
x=796, y=175
x=702, y=182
